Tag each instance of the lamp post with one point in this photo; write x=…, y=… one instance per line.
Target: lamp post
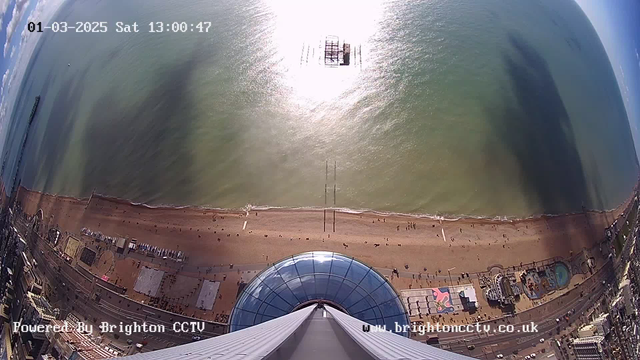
x=449, y=271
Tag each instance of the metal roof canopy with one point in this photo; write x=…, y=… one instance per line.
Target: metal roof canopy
x=310, y=333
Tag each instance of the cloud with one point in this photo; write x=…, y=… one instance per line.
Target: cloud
x=7, y=80
x=23, y=53
x=35, y=16
x=12, y=77
x=13, y=51
x=4, y=5
x=18, y=11
x=5, y=77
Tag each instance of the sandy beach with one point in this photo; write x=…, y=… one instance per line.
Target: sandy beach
x=215, y=237
x=252, y=239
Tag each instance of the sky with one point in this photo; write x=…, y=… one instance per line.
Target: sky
x=16, y=47
x=617, y=23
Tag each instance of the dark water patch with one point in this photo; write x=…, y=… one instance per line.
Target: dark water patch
x=142, y=150
x=111, y=56
x=561, y=22
x=573, y=43
x=538, y=131
x=48, y=153
x=19, y=118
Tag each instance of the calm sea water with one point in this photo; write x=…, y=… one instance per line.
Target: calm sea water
x=454, y=107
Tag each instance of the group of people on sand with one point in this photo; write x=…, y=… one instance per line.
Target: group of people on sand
x=410, y=226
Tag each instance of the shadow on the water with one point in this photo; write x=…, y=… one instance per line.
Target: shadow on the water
x=23, y=107
x=47, y=154
x=141, y=151
x=535, y=129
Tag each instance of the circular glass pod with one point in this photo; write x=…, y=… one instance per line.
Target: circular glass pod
x=332, y=278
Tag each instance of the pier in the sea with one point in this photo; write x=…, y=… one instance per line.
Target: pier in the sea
x=32, y=116
x=332, y=52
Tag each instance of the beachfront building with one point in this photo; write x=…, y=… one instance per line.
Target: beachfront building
x=468, y=297
x=503, y=289
x=441, y=300
x=602, y=324
x=589, y=348
x=319, y=277
x=588, y=331
x=36, y=311
x=71, y=343
x=599, y=326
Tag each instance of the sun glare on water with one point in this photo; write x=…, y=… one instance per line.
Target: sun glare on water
x=299, y=33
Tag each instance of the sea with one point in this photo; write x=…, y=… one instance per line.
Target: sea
x=486, y=108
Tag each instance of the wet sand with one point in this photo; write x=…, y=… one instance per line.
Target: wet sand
x=215, y=237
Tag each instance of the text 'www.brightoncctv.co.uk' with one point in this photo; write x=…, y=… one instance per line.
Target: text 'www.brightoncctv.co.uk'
x=446, y=328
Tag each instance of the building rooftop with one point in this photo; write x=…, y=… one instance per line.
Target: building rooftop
x=42, y=305
x=587, y=331
x=82, y=343
x=588, y=340
x=601, y=317
x=319, y=276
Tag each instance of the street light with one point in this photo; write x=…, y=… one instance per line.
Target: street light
x=449, y=271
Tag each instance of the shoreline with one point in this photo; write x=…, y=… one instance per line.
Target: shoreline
x=232, y=236
x=342, y=210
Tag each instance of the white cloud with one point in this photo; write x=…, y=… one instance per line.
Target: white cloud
x=35, y=16
x=5, y=77
x=4, y=5
x=13, y=51
x=9, y=81
x=23, y=53
x=18, y=11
